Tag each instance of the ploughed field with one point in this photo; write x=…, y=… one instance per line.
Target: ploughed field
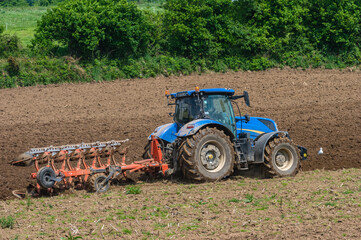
x=319, y=108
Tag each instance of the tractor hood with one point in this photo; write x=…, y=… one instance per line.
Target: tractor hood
x=255, y=126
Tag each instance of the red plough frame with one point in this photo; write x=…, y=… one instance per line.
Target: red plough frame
x=96, y=174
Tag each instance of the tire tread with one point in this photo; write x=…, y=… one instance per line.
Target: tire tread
x=186, y=155
x=269, y=167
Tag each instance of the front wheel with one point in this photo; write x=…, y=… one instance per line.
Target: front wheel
x=207, y=155
x=281, y=157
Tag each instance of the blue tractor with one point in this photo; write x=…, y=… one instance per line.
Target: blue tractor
x=206, y=141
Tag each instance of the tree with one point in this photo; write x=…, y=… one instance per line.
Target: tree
x=197, y=28
x=95, y=27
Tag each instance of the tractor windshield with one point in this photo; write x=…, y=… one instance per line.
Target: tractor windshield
x=219, y=108
x=216, y=107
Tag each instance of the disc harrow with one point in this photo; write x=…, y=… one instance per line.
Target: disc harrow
x=85, y=165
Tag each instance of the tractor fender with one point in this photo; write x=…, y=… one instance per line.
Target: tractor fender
x=166, y=132
x=261, y=143
x=194, y=126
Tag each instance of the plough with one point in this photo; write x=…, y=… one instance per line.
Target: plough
x=86, y=165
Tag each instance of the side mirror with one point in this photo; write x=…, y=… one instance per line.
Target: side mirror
x=246, y=98
x=247, y=118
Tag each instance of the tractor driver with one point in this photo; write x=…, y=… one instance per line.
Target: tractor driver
x=212, y=111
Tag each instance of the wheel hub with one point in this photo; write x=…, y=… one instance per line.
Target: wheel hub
x=284, y=159
x=281, y=159
x=210, y=156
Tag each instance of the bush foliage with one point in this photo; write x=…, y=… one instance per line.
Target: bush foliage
x=9, y=44
x=278, y=30
x=91, y=28
x=115, y=39
x=199, y=28
x=23, y=3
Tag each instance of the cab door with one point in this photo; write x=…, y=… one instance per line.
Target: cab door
x=219, y=108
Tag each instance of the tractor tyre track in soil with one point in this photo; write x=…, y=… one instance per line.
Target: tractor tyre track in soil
x=319, y=108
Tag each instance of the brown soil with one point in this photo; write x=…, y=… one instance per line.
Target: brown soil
x=313, y=205
x=319, y=108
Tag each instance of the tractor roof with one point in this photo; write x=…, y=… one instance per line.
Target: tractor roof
x=208, y=91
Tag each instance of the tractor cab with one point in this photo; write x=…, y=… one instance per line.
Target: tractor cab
x=208, y=104
x=213, y=106
x=199, y=108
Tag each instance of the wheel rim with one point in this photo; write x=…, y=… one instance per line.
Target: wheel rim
x=47, y=177
x=212, y=156
x=284, y=159
x=99, y=187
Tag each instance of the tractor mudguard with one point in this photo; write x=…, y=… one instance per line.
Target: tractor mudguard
x=261, y=143
x=194, y=126
x=165, y=132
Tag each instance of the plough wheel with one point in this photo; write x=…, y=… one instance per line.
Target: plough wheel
x=45, y=177
x=96, y=183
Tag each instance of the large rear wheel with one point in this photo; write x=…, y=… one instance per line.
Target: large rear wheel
x=163, y=145
x=146, y=153
x=207, y=155
x=281, y=157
